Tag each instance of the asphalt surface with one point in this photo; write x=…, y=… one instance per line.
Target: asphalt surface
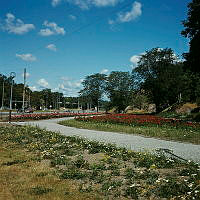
x=134, y=142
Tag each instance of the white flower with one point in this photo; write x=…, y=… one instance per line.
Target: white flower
x=190, y=185
x=132, y=186
x=193, y=174
x=110, y=187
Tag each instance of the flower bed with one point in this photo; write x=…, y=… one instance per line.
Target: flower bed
x=139, y=120
x=40, y=116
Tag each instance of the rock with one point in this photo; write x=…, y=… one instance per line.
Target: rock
x=112, y=111
x=128, y=108
x=186, y=108
x=151, y=108
x=135, y=110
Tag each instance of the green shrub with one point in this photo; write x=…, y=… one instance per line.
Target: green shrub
x=197, y=117
x=39, y=190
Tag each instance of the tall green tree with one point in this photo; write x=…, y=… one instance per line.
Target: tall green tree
x=192, y=63
x=93, y=88
x=160, y=75
x=119, y=88
x=192, y=32
x=71, y=102
x=47, y=97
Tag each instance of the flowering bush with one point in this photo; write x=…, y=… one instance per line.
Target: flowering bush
x=132, y=120
x=40, y=116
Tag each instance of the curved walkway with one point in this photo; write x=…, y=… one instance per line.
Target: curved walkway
x=133, y=142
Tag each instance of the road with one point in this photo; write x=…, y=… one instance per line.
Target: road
x=45, y=112
x=134, y=142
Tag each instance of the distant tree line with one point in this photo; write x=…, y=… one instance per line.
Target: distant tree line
x=37, y=99
x=44, y=99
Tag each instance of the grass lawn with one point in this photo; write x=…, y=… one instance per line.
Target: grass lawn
x=164, y=132
x=38, y=164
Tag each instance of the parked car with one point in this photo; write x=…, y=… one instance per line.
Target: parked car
x=29, y=110
x=26, y=110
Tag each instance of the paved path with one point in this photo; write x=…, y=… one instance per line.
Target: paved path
x=133, y=142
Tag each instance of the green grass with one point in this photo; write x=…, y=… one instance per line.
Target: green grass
x=38, y=164
x=162, y=132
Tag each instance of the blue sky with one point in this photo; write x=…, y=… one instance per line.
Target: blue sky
x=60, y=42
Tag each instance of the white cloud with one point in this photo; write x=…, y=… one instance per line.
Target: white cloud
x=111, y=22
x=27, y=57
x=51, y=47
x=86, y=4
x=33, y=88
x=52, y=29
x=27, y=75
x=135, y=59
x=46, y=32
x=61, y=86
x=104, y=71
x=102, y=3
x=70, y=87
x=83, y=4
x=73, y=17
x=16, y=26
x=135, y=12
x=43, y=83
x=54, y=3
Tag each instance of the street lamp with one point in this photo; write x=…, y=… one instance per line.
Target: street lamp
x=12, y=76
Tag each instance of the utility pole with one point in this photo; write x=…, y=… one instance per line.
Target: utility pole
x=12, y=76
x=2, y=103
x=29, y=99
x=24, y=92
x=98, y=105
x=78, y=103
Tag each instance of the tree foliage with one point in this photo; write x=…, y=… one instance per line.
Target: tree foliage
x=119, y=88
x=192, y=63
x=192, y=31
x=93, y=89
x=159, y=73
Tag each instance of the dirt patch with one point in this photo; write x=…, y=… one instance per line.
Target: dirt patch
x=186, y=108
x=93, y=158
x=5, y=193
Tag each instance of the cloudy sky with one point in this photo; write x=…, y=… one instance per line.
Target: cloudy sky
x=60, y=42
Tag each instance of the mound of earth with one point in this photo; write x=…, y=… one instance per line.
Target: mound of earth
x=183, y=108
x=186, y=108
x=150, y=108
